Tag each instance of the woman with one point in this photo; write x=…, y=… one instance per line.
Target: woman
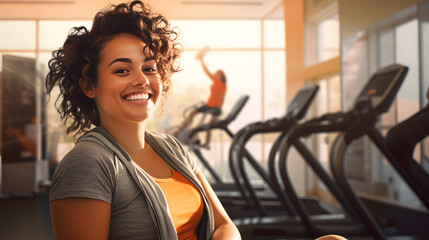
x=213, y=105
x=121, y=181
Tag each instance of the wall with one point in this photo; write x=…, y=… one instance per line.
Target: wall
x=358, y=15
x=296, y=71
x=314, y=7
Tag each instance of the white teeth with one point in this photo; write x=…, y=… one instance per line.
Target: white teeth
x=140, y=96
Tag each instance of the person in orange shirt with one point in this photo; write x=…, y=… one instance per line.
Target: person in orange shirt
x=213, y=105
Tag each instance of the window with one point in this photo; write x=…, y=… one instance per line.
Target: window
x=52, y=34
x=21, y=35
x=253, y=66
x=251, y=52
x=219, y=33
x=274, y=36
x=393, y=40
x=322, y=35
x=327, y=35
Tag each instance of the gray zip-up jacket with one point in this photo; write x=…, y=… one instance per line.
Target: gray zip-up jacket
x=99, y=168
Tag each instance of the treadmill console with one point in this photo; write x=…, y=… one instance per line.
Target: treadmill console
x=237, y=108
x=382, y=87
x=301, y=102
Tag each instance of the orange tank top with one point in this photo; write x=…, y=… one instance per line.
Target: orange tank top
x=217, y=92
x=184, y=202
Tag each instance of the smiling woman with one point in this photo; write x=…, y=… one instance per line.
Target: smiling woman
x=133, y=81
x=121, y=181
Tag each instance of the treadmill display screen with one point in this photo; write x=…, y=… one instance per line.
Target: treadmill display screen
x=378, y=84
x=382, y=88
x=300, y=101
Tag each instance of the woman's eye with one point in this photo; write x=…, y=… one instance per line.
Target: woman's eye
x=150, y=69
x=121, y=71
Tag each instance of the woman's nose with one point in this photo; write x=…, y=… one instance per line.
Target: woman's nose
x=141, y=79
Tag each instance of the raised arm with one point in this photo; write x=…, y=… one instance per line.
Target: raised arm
x=80, y=219
x=224, y=228
x=200, y=56
x=206, y=69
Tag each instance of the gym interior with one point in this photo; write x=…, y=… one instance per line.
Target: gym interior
x=323, y=129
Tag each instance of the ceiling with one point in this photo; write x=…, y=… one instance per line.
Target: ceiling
x=173, y=9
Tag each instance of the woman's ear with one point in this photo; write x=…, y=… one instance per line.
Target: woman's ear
x=86, y=88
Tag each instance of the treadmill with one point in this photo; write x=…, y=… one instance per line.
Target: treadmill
x=295, y=112
x=352, y=223
x=376, y=100
x=188, y=138
x=401, y=141
x=237, y=199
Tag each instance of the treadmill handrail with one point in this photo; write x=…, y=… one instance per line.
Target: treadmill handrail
x=292, y=139
x=240, y=153
x=401, y=141
x=338, y=165
x=296, y=110
x=222, y=123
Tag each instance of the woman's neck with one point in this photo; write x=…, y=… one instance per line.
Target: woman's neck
x=130, y=136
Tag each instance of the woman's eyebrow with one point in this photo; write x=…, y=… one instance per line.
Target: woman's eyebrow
x=127, y=60
x=147, y=59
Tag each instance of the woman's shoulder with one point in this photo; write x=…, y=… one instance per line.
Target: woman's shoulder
x=88, y=153
x=88, y=170
x=92, y=148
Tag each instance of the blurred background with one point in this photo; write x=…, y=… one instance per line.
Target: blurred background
x=268, y=50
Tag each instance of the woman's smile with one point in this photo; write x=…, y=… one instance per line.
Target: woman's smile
x=126, y=71
x=137, y=97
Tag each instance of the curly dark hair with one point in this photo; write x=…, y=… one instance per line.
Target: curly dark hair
x=80, y=55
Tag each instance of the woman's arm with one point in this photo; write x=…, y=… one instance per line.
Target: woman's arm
x=331, y=237
x=206, y=69
x=200, y=56
x=80, y=219
x=224, y=228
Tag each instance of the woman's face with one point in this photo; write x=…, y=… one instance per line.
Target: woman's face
x=129, y=86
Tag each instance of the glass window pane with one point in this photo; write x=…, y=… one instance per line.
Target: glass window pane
x=424, y=41
x=387, y=48
x=274, y=34
x=334, y=86
x=424, y=51
x=191, y=86
x=354, y=67
x=21, y=35
x=58, y=142
x=52, y=34
x=328, y=39
x=274, y=84
x=51, y=113
x=219, y=33
x=407, y=53
x=386, y=45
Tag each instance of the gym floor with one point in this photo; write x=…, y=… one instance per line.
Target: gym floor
x=25, y=217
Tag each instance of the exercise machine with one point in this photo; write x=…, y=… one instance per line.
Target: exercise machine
x=401, y=141
x=353, y=221
x=295, y=112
